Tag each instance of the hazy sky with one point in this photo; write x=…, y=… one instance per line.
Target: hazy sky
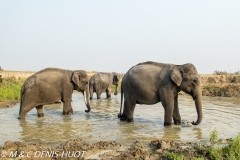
x=114, y=35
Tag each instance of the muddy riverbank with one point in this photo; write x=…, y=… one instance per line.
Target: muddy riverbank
x=6, y=104
x=221, y=85
x=78, y=149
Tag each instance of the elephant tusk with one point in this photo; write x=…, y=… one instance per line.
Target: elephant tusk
x=85, y=99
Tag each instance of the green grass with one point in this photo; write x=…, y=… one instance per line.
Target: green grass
x=216, y=150
x=175, y=156
x=118, y=88
x=11, y=89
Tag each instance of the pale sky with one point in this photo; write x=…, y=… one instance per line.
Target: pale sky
x=114, y=35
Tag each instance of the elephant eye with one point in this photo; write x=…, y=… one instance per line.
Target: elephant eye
x=194, y=81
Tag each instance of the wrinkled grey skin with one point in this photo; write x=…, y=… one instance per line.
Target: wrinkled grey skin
x=101, y=82
x=51, y=85
x=152, y=82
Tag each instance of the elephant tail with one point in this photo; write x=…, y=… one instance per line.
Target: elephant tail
x=21, y=97
x=120, y=113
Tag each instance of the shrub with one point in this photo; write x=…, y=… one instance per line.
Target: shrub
x=219, y=151
x=11, y=89
x=216, y=72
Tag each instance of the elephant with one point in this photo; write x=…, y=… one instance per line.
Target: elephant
x=51, y=85
x=152, y=82
x=103, y=82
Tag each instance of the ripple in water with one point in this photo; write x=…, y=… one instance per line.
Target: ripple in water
x=102, y=122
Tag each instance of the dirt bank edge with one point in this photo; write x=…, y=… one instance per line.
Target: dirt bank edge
x=158, y=149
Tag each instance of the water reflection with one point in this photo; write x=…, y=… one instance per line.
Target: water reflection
x=102, y=122
x=197, y=132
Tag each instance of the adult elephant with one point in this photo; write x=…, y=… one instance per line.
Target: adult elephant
x=51, y=85
x=152, y=82
x=103, y=82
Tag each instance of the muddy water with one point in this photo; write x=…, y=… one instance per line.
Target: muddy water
x=102, y=122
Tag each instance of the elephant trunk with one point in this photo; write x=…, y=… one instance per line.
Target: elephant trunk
x=198, y=103
x=86, y=99
x=116, y=91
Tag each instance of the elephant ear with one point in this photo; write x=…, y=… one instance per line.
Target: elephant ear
x=76, y=78
x=176, y=75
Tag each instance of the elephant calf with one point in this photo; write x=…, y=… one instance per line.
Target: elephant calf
x=103, y=82
x=51, y=85
x=152, y=82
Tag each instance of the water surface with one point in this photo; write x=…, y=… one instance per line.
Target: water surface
x=102, y=124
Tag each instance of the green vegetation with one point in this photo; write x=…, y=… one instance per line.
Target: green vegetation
x=11, y=89
x=219, y=151
x=118, y=89
x=175, y=156
x=216, y=150
x=221, y=91
x=214, y=90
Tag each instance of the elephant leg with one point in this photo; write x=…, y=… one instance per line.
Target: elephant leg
x=91, y=92
x=168, y=105
x=27, y=104
x=116, y=92
x=128, y=110
x=40, y=110
x=67, y=108
x=98, y=94
x=123, y=117
x=108, y=93
x=24, y=109
x=168, y=115
x=176, y=114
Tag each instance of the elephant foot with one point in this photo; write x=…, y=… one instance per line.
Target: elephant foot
x=177, y=122
x=130, y=120
x=115, y=93
x=88, y=109
x=21, y=117
x=122, y=117
x=68, y=112
x=167, y=124
x=41, y=115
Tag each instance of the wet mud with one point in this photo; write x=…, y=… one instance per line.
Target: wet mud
x=7, y=104
x=78, y=149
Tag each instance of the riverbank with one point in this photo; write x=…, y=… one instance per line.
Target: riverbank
x=227, y=85
x=9, y=103
x=158, y=149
